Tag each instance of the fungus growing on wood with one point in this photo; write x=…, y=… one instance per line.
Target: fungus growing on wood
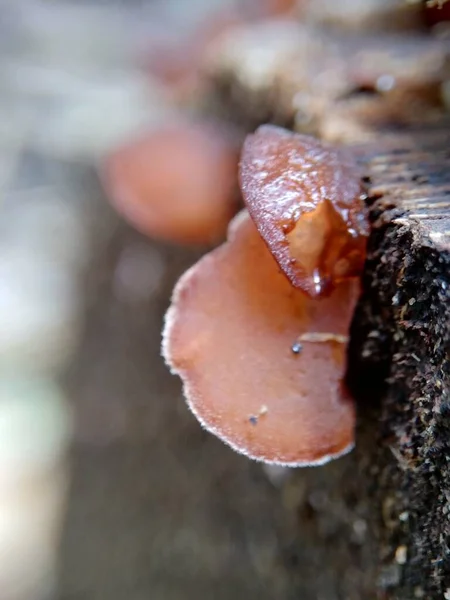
x=230, y=334
x=177, y=183
x=263, y=362
x=305, y=199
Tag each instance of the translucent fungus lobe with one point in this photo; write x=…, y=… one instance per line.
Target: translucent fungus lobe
x=305, y=199
x=176, y=183
x=233, y=335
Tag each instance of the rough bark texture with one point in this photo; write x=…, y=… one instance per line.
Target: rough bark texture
x=401, y=336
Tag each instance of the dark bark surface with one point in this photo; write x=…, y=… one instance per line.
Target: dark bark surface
x=401, y=336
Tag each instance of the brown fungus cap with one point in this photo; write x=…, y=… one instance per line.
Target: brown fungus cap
x=177, y=183
x=262, y=363
x=305, y=199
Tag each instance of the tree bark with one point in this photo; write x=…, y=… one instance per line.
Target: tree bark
x=399, y=347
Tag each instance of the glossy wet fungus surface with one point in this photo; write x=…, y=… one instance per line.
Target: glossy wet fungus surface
x=307, y=203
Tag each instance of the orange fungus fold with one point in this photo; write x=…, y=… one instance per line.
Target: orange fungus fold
x=261, y=362
x=305, y=199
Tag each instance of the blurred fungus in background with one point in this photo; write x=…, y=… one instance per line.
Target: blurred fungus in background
x=176, y=183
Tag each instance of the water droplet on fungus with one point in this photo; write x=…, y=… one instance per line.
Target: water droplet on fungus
x=296, y=348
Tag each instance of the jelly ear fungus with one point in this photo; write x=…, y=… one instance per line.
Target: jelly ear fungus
x=262, y=351
x=176, y=183
x=231, y=335
x=306, y=200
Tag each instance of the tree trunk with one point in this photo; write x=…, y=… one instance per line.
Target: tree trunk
x=400, y=339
